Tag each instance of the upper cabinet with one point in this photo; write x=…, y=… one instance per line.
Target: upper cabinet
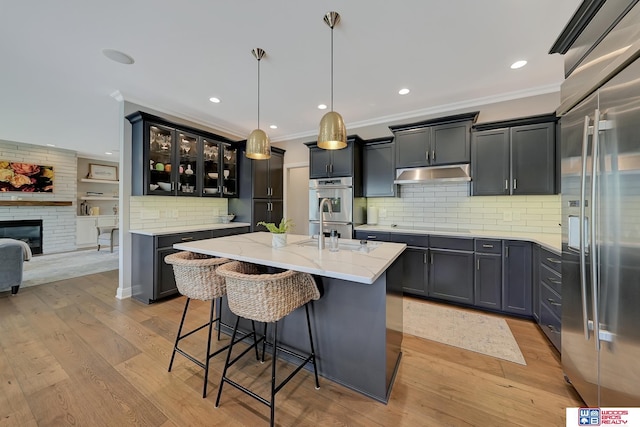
x=338, y=163
x=179, y=161
x=379, y=171
x=516, y=157
x=436, y=142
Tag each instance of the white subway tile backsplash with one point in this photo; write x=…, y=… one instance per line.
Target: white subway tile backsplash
x=161, y=211
x=449, y=205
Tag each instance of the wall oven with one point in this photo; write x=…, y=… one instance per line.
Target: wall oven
x=339, y=191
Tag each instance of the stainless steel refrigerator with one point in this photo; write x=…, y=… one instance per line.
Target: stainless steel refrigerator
x=600, y=170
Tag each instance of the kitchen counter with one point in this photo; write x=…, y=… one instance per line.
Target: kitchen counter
x=188, y=228
x=549, y=241
x=300, y=254
x=357, y=322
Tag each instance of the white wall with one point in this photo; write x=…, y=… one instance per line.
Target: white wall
x=59, y=222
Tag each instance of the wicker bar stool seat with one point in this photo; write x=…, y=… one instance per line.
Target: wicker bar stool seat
x=196, y=278
x=267, y=298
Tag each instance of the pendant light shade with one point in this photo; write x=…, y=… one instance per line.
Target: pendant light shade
x=258, y=145
x=333, y=133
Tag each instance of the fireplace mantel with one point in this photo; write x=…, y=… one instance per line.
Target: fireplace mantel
x=35, y=203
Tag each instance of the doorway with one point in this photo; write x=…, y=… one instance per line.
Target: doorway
x=297, y=196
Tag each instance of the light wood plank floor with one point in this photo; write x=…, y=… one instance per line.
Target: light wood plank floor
x=72, y=354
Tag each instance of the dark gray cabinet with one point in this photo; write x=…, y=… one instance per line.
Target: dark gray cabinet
x=415, y=273
x=379, y=168
x=516, y=290
x=515, y=157
x=488, y=274
x=550, y=272
x=261, y=190
x=336, y=163
x=535, y=282
x=152, y=278
x=451, y=269
x=372, y=235
x=169, y=159
x=434, y=142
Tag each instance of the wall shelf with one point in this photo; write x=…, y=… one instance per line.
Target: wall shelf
x=99, y=181
x=34, y=203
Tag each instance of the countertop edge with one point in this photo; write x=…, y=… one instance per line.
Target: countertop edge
x=189, y=228
x=546, y=240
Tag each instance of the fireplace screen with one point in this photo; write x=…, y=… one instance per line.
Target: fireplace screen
x=25, y=177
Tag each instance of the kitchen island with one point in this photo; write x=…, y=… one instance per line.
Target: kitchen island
x=357, y=323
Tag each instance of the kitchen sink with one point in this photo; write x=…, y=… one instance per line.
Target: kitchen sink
x=351, y=245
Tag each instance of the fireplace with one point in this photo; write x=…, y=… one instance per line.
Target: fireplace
x=27, y=230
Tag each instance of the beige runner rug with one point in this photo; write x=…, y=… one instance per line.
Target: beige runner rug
x=461, y=328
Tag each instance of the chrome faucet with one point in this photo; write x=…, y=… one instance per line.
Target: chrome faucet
x=321, y=215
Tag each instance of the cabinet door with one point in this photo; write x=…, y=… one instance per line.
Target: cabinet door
x=276, y=209
x=260, y=213
x=451, y=144
x=533, y=159
x=379, y=170
x=86, y=232
x=488, y=281
x=451, y=275
x=490, y=163
x=188, y=164
x=161, y=146
x=260, y=178
x=319, y=161
x=165, y=284
x=414, y=275
x=276, y=172
x=413, y=148
x=229, y=163
x=342, y=161
x=535, y=282
x=212, y=173
x=516, y=290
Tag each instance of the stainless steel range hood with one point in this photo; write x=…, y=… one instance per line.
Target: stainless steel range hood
x=433, y=174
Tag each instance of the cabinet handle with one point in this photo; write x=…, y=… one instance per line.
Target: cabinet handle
x=515, y=183
x=424, y=258
x=553, y=329
x=371, y=237
x=478, y=263
x=326, y=168
x=552, y=302
x=331, y=168
x=186, y=239
x=506, y=184
x=553, y=260
x=433, y=155
x=487, y=246
x=506, y=251
x=431, y=256
x=556, y=281
x=427, y=156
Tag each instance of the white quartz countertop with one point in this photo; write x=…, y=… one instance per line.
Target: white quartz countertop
x=188, y=228
x=549, y=241
x=345, y=264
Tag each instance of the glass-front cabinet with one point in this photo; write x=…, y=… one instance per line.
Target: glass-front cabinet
x=171, y=160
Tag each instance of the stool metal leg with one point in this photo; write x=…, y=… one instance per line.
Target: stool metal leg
x=226, y=363
x=264, y=343
x=207, y=355
x=219, y=323
x=255, y=338
x=175, y=345
x=274, y=355
x=313, y=351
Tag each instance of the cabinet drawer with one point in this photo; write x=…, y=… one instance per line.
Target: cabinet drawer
x=488, y=246
x=552, y=300
x=551, y=260
x=451, y=243
x=170, y=240
x=416, y=240
x=551, y=278
x=550, y=325
x=372, y=235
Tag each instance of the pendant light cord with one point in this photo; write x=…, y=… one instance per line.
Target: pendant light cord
x=258, y=93
x=332, y=68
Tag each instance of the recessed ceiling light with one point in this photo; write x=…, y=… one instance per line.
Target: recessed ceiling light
x=214, y=99
x=51, y=145
x=322, y=107
x=518, y=64
x=116, y=55
x=404, y=91
x=273, y=127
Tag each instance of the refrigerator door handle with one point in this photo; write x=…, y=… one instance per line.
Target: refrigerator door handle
x=593, y=223
x=581, y=220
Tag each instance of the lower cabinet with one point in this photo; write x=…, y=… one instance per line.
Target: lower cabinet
x=86, y=228
x=152, y=278
x=488, y=281
x=451, y=275
x=549, y=283
x=516, y=288
x=414, y=273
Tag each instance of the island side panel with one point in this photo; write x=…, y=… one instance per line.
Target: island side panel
x=395, y=325
x=350, y=332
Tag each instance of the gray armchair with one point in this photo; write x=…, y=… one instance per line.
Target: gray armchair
x=13, y=253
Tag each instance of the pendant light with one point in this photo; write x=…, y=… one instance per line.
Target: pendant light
x=333, y=133
x=258, y=145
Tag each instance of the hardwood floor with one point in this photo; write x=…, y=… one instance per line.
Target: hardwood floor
x=72, y=354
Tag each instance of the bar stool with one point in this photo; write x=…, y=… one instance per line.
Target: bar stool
x=196, y=278
x=267, y=298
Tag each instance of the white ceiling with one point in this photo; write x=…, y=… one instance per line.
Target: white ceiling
x=56, y=85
